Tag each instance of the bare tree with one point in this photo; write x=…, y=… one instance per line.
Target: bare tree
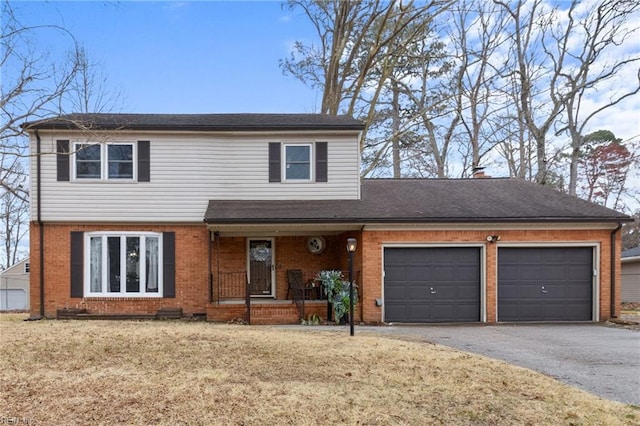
x=412, y=97
x=477, y=35
x=536, y=103
x=358, y=48
x=36, y=85
x=32, y=86
x=89, y=90
x=631, y=232
x=596, y=34
x=14, y=218
x=559, y=56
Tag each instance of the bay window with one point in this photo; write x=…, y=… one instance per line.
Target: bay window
x=123, y=264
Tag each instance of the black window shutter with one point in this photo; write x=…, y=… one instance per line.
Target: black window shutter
x=274, y=162
x=77, y=267
x=169, y=264
x=62, y=160
x=321, y=162
x=144, y=163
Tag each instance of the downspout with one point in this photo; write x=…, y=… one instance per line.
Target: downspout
x=39, y=218
x=613, y=269
x=210, y=268
x=361, y=293
x=217, y=236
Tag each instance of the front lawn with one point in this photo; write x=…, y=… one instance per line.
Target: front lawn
x=196, y=373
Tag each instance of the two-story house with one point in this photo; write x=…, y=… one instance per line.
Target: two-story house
x=208, y=213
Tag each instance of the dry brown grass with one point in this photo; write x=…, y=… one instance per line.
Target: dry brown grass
x=195, y=373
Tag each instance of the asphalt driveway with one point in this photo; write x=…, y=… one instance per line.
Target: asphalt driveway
x=601, y=360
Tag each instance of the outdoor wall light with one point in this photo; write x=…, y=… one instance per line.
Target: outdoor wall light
x=351, y=248
x=493, y=238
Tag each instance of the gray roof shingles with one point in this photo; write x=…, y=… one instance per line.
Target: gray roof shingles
x=632, y=252
x=422, y=201
x=202, y=122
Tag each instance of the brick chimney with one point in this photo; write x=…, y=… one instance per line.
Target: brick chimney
x=478, y=173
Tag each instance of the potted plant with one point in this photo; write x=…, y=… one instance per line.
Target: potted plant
x=337, y=291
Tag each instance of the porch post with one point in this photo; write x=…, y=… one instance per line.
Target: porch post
x=351, y=248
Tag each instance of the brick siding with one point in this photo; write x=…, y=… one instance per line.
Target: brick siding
x=192, y=267
x=191, y=272
x=373, y=241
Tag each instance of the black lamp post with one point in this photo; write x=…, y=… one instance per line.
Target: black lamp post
x=351, y=248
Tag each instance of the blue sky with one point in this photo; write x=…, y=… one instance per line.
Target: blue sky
x=184, y=57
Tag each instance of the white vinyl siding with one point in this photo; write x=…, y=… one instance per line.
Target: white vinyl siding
x=186, y=172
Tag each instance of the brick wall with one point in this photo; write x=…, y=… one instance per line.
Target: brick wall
x=291, y=253
x=370, y=249
x=192, y=264
x=191, y=271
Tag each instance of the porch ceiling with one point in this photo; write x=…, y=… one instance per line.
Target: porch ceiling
x=271, y=230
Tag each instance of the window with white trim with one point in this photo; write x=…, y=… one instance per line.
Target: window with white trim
x=123, y=264
x=297, y=162
x=109, y=161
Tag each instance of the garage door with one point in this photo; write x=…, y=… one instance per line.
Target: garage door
x=432, y=284
x=13, y=299
x=545, y=284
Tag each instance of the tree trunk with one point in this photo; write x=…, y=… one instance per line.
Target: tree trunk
x=395, y=128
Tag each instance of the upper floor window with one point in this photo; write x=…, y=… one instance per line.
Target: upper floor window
x=104, y=161
x=88, y=161
x=297, y=164
x=120, y=161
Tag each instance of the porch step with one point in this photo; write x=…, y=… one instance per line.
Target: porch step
x=272, y=314
x=264, y=313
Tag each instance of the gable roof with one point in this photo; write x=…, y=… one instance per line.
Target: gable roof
x=15, y=269
x=198, y=122
x=422, y=201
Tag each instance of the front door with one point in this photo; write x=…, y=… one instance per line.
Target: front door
x=261, y=267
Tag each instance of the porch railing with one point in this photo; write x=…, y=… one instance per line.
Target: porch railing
x=231, y=285
x=234, y=286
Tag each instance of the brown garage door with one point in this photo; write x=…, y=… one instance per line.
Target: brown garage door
x=545, y=284
x=432, y=284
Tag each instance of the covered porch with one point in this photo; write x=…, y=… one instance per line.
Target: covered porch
x=267, y=274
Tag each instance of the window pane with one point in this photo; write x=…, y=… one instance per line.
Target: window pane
x=152, y=264
x=88, y=170
x=298, y=171
x=88, y=152
x=298, y=154
x=298, y=162
x=114, y=264
x=119, y=170
x=95, y=268
x=120, y=152
x=133, y=264
x=120, y=159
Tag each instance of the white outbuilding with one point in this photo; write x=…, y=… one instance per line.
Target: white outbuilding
x=14, y=287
